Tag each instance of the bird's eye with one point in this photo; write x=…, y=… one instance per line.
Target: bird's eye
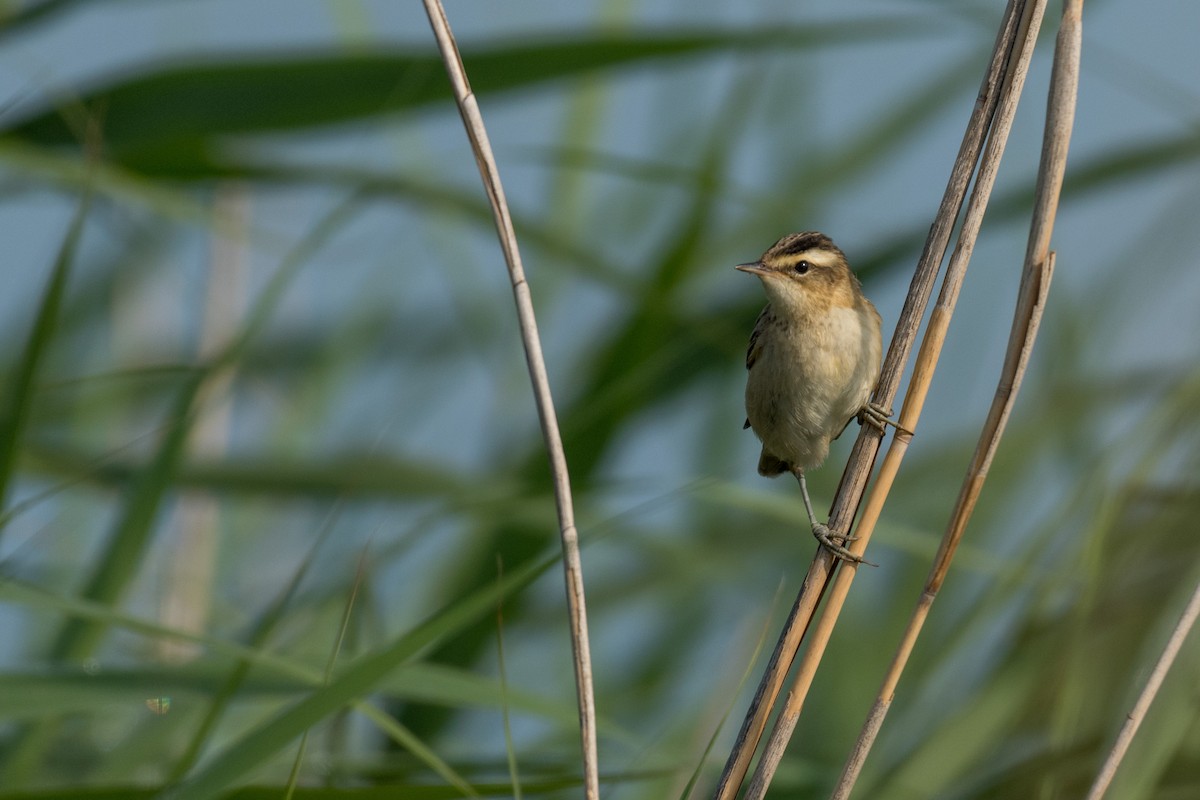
x=801, y=267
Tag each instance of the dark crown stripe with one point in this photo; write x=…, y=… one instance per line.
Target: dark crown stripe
x=797, y=243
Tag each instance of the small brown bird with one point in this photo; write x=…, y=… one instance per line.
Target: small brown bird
x=813, y=361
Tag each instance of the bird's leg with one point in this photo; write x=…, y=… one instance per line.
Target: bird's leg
x=822, y=533
x=878, y=417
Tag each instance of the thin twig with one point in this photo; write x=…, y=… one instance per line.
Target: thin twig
x=573, y=568
x=347, y=615
x=1035, y=284
x=1138, y=713
x=1060, y=118
x=862, y=457
x=914, y=400
x=510, y=749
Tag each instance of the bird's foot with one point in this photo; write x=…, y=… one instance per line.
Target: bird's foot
x=879, y=418
x=835, y=543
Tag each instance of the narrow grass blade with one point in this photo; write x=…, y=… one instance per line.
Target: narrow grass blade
x=18, y=398
x=364, y=676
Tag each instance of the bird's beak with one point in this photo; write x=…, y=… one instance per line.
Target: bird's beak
x=754, y=268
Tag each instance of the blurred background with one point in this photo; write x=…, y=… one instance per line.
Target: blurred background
x=267, y=444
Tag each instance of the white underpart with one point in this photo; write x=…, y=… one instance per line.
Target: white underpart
x=823, y=377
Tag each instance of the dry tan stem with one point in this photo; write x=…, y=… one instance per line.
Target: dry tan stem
x=473, y=121
x=1135, y=716
x=914, y=400
x=187, y=602
x=862, y=457
x=1035, y=283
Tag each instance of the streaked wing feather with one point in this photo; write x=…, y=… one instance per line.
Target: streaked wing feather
x=755, y=338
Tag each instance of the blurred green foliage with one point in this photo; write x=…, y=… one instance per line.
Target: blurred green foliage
x=366, y=399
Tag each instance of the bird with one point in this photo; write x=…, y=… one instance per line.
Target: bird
x=812, y=362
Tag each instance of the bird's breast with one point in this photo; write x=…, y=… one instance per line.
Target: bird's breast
x=811, y=376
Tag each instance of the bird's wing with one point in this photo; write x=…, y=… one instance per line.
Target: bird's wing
x=755, y=344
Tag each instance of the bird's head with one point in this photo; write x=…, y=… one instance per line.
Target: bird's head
x=806, y=272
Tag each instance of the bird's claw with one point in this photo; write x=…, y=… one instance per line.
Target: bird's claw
x=835, y=543
x=879, y=418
